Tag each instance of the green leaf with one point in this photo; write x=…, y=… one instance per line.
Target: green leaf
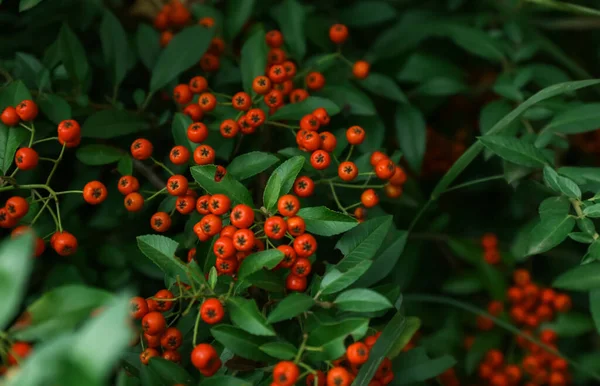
x=411, y=134
x=298, y=110
x=492, y=113
x=336, y=280
x=240, y=342
x=549, y=233
x=13, y=94
x=323, y=221
x=592, y=211
x=474, y=41
x=224, y=380
x=54, y=107
x=463, y=284
x=290, y=16
x=25, y=5
x=259, y=260
x=386, y=257
x=98, y=154
x=178, y=56
x=15, y=266
x=267, y=280
x=10, y=140
x=212, y=277
x=384, y=86
x=361, y=300
x=561, y=184
x=161, y=250
x=250, y=164
x=421, y=67
x=581, y=237
x=554, y=207
x=112, y=123
x=61, y=309
x=245, y=314
x=571, y=324
x=331, y=336
x=581, y=278
x=169, y=372
x=390, y=335
x=291, y=306
x=367, y=13
x=417, y=367
x=115, y=47
x=439, y=86
x=73, y=55
x=253, y=59
x=281, y=181
x=575, y=120
x=362, y=242
x=280, y=350
x=349, y=97
x=411, y=326
x=514, y=150
x=205, y=177
x=102, y=339
x=238, y=12
x=125, y=165
x=179, y=127
x=567, y=7
x=595, y=307
x=502, y=124
x=147, y=41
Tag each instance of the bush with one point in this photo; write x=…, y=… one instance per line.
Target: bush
x=289, y=192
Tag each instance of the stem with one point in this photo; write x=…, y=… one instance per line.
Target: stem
x=162, y=166
x=353, y=205
x=146, y=101
x=475, y=182
x=44, y=140
x=350, y=152
x=351, y=186
x=507, y=326
x=47, y=159
x=54, y=217
x=273, y=123
x=37, y=216
x=157, y=194
x=301, y=349
x=335, y=197
x=196, y=330
x=32, y=135
x=25, y=126
x=577, y=206
x=70, y=192
x=62, y=152
x=420, y=214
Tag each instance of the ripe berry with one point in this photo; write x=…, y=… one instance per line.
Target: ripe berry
x=207, y=22
x=274, y=98
x=295, y=283
x=10, y=117
x=229, y=128
x=194, y=112
x=377, y=156
x=301, y=267
x=210, y=62
x=226, y=266
x=305, y=245
x=347, y=171
x=185, y=204
x=339, y=376
x=202, y=204
x=18, y=352
x=94, y=192
x=275, y=56
x=141, y=149
x=26, y=158
x=69, y=130
x=261, y=85
x=355, y=135
x=161, y=305
x=182, y=94
x=177, y=185
x=160, y=221
x=315, y=81
x=203, y=356
x=255, y=117
x=311, y=141
x=138, y=307
x=309, y=122
x=211, y=224
x=165, y=38
x=204, y=155
x=228, y=231
x=360, y=69
x=289, y=256
x=197, y=132
x=179, y=155
x=64, y=243
x=207, y=102
x=285, y=373
x=328, y=141
x=304, y=186
x=274, y=38
x=198, y=84
x=242, y=216
x=6, y=221
x=357, y=353
x=27, y=110
x=322, y=116
x=296, y=226
x=128, y=184
x=393, y=191
x=290, y=68
x=171, y=339
x=288, y=205
x=172, y=356
x=153, y=323
x=134, y=202
x=399, y=177
x=244, y=240
x=320, y=159
x=211, y=311
x=369, y=198
x=385, y=169
x=275, y=227
x=219, y=204
x=338, y=33
x=241, y=101
x=17, y=207
x=298, y=95
x=223, y=248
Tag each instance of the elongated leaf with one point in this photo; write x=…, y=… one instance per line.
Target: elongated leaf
x=362, y=242
x=576, y=120
x=161, y=250
x=323, y=221
x=514, y=150
x=25, y=5
x=307, y=106
x=385, y=343
x=387, y=256
x=169, y=372
x=98, y=154
x=224, y=380
x=15, y=266
x=114, y=46
x=411, y=134
x=291, y=306
x=178, y=56
x=549, y=233
x=331, y=336
x=10, y=140
x=244, y=313
x=240, y=342
x=582, y=278
x=336, y=280
x=179, y=127
x=251, y=164
x=281, y=181
x=384, y=86
x=111, y=124
x=147, y=41
x=73, y=55
x=361, y=300
x=290, y=16
x=367, y=13
x=351, y=98
x=259, y=260
x=418, y=367
x=254, y=59
x=592, y=211
x=205, y=177
x=55, y=108
x=474, y=41
x=280, y=350
x=238, y=12
x=501, y=125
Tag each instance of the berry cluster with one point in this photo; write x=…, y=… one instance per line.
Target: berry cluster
x=491, y=255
